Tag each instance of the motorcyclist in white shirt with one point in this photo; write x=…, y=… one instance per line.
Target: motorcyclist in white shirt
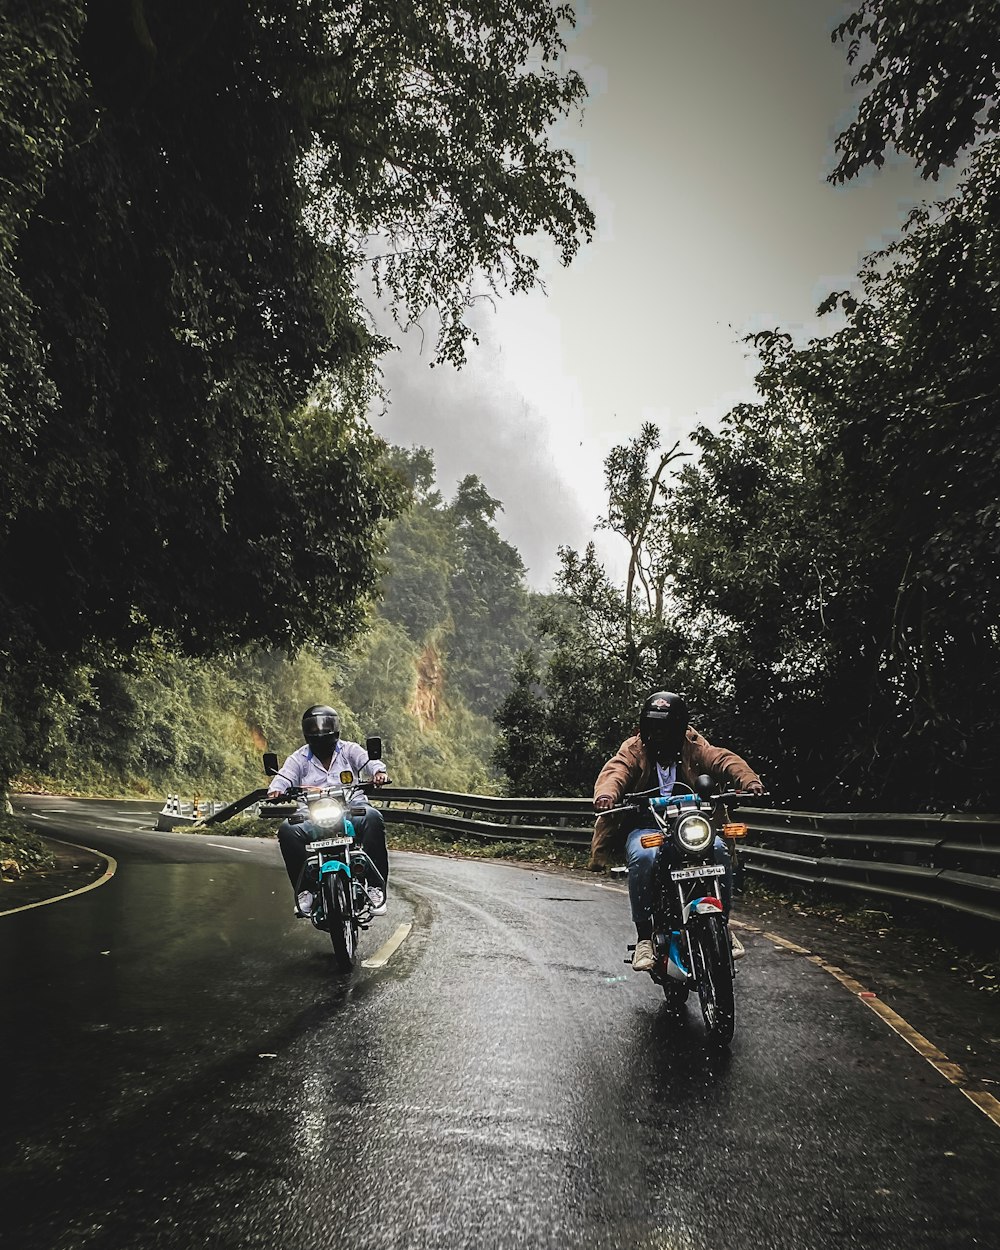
x=319, y=763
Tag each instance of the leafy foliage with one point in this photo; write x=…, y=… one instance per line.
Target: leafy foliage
x=930, y=76
x=605, y=647
x=167, y=721
x=828, y=564
x=455, y=583
x=185, y=351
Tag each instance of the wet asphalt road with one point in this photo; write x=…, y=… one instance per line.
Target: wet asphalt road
x=182, y=1069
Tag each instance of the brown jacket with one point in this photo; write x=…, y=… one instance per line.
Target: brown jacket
x=631, y=769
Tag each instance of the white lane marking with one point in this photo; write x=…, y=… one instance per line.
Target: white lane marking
x=615, y=889
x=109, y=872
x=242, y=849
x=382, y=955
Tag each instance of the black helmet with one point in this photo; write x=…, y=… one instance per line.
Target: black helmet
x=320, y=727
x=663, y=722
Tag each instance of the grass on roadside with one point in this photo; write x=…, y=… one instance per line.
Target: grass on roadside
x=21, y=850
x=431, y=841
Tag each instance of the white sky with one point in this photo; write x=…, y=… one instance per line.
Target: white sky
x=703, y=150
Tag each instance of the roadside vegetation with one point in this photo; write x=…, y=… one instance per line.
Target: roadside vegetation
x=197, y=202
x=820, y=576
x=21, y=850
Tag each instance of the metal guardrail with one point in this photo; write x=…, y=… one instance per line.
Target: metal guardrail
x=950, y=860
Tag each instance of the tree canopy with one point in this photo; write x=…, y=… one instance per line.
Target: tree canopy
x=930, y=77
x=185, y=352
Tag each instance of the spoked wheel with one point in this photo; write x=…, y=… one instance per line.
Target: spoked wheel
x=713, y=966
x=343, y=929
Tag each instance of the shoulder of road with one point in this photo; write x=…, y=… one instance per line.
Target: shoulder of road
x=74, y=868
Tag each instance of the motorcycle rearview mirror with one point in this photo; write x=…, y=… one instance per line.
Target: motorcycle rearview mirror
x=704, y=785
x=270, y=763
x=374, y=748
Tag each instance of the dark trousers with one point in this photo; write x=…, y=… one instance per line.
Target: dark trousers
x=294, y=835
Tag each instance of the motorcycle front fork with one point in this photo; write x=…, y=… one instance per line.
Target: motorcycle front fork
x=673, y=945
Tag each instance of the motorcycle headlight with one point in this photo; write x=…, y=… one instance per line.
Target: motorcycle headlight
x=694, y=834
x=326, y=813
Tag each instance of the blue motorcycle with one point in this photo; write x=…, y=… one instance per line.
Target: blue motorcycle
x=690, y=930
x=341, y=872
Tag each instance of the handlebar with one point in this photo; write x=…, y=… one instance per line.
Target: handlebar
x=640, y=799
x=298, y=792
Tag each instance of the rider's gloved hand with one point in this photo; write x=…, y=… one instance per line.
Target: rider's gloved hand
x=603, y=802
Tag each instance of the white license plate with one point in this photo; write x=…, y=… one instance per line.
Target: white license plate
x=706, y=870
x=329, y=844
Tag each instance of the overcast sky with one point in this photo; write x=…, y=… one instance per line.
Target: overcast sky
x=704, y=149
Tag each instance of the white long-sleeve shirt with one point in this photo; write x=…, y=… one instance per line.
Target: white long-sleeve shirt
x=303, y=768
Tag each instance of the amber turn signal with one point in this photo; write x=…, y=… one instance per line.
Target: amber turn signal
x=651, y=839
x=735, y=831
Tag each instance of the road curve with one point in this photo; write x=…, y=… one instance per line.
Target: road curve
x=183, y=1070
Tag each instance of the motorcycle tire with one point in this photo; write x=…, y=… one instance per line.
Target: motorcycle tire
x=343, y=927
x=713, y=968
x=676, y=994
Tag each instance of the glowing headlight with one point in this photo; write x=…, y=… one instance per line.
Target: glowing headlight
x=694, y=833
x=325, y=813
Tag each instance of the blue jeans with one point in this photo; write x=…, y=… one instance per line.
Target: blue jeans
x=640, y=860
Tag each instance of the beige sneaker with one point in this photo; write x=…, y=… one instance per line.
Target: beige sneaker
x=643, y=960
x=739, y=950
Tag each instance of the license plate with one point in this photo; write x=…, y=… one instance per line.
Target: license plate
x=706, y=870
x=328, y=844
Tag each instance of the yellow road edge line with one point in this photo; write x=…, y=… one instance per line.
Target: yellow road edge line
x=387, y=949
x=109, y=872
x=986, y=1103
x=952, y=1072
x=789, y=946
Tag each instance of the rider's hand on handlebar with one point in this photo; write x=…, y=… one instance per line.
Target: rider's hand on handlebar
x=754, y=787
x=380, y=779
x=603, y=802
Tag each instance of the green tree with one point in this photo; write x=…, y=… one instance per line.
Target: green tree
x=929, y=73
x=202, y=187
x=855, y=568
x=488, y=600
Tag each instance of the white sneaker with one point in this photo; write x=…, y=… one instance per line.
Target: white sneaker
x=305, y=903
x=643, y=960
x=739, y=950
x=379, y=906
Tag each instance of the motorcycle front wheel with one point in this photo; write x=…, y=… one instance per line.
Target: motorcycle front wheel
x=676, y=993
x=343, y=928
x=713, y=968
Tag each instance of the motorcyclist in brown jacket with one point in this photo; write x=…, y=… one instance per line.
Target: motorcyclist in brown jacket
x=666, y=751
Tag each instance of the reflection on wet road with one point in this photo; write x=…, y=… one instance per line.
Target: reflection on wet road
x=184, y=1070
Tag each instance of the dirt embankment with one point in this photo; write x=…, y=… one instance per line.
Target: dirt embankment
x=428, y=697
